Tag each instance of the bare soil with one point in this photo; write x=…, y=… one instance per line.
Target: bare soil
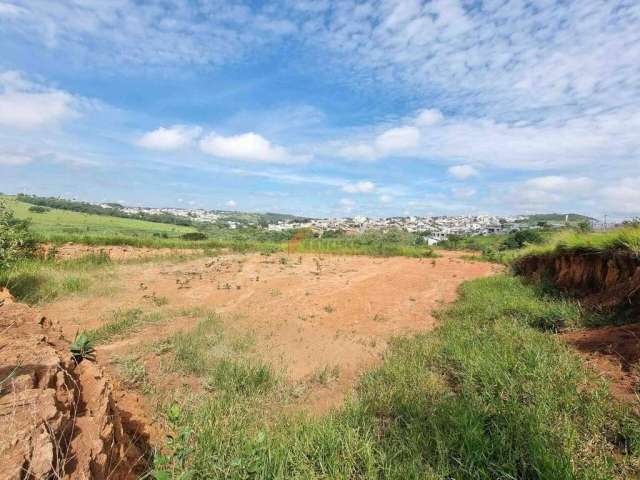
x=613, y=352
x=116, y=252
x=303, y=317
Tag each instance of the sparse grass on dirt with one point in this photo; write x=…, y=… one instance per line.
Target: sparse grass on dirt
x=121, y=322
x=362, y=246
x=134, y=372
x=486, y=395
x=220, y=358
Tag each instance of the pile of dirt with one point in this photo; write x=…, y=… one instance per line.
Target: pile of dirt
x=601, y=280
x=58, y=419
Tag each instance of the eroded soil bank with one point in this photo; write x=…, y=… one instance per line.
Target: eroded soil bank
x=607, y=282
x=58, y=418
x=601, y=280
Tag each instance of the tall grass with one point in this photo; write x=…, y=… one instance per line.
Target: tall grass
x=33, y=280
x=487, y=395
x=625, y=239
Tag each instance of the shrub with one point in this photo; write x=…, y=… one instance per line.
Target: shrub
x=15, y=239
x=521, y=238
x=38, y=209
x=193, y=236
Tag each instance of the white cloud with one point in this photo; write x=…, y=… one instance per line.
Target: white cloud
x=621, y=197
x=358, y=151
x=9, y=9
x=151, y=33
x=28, y=105
x=462, y=172
x=14, y=159
x=363, y=186
x=347, y=204
x=398, y=139
x=231, y=204
x=560, y=184
x=170, y=138
x=463, y=192
x=428, y=117
x=385, y=199
x=249, y=147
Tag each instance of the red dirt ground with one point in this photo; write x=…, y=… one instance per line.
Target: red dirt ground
x=302, y=320
x=614, y=353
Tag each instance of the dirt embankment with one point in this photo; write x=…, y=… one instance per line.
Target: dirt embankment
x=58, y=419
x=601, y=280
x=604, y=282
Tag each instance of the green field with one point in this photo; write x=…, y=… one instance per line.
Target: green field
x=67, y=224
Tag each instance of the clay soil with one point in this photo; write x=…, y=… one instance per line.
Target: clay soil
x=302, y=317
x=613, y=352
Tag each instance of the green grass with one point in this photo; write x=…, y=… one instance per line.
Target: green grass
x=360, y=246
x=486, y=395
x=134, y=372
x=121, y=322
x=626, y=239
x=36, y=281
x=66, y=224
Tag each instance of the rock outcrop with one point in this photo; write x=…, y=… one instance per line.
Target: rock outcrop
x=57, y=418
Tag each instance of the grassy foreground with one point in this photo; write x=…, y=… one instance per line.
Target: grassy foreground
x=487, y=395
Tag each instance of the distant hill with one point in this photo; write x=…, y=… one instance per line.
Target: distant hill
x=573, y=218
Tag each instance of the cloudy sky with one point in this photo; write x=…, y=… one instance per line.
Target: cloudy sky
x=325, y=108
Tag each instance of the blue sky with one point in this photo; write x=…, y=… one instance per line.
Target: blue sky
x=325, y=108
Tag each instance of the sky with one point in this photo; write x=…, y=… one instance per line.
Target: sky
x=325, y=108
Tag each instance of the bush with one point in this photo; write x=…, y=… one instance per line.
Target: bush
x=38, y=209
x=521, y=238
x=193, y=236
x=15, y=239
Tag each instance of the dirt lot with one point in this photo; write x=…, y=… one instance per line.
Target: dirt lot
x=303, y=312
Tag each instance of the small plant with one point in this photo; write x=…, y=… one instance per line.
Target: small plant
x=173, y=464
x=283, y=260
x=82, y=348
x=378, y=317
x=329, y=308
x=326, y=375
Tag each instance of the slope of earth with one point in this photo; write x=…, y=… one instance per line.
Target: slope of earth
x=304, y=313
x=57, y=417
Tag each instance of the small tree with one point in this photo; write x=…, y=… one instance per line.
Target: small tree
x=15, y=239
x=584, y=227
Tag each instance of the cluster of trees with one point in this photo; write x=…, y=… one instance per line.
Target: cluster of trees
x=113, y=210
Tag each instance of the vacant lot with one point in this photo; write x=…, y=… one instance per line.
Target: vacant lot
x=304, y=315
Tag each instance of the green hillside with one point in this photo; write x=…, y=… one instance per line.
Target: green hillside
x=573, y=218
x=53, y=222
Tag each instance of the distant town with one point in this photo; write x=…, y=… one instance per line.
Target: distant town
x=433, y=228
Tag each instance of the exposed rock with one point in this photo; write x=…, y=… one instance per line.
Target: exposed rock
x=58, y=419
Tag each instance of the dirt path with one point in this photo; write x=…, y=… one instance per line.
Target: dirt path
x=304, y=314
